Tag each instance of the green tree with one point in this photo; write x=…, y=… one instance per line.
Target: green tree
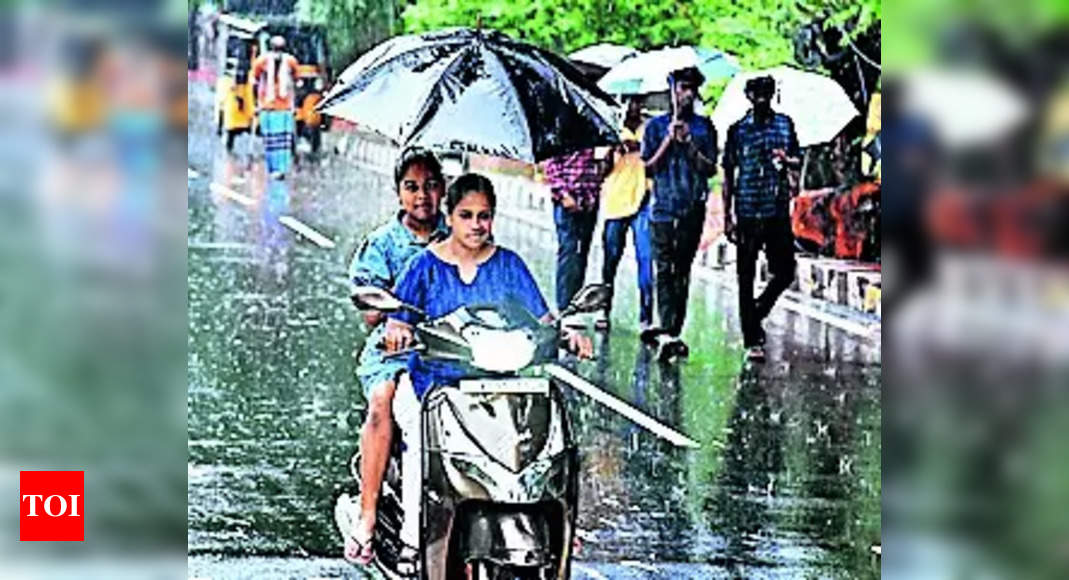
x=353, y=26
x=760, y=33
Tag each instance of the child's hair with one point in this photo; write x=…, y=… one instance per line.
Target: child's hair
x=413, y=156
x=467, y=184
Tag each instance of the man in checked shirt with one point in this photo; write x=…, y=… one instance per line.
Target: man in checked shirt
x=760, y=149
x=575, y=182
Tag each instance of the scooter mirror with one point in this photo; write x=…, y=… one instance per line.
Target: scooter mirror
x=373, y=298
x=589, y=299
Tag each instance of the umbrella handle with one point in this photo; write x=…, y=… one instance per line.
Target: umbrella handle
x=672, y=97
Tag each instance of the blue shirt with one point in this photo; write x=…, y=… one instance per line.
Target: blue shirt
x=678, y=186
x=434, y=286
x=760, y=190
x=386, y=251
x=380, y=261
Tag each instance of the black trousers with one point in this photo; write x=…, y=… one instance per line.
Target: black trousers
x=774, y=236
x=675, y=244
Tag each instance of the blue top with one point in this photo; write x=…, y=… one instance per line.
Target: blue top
x=761, y=190
x=678, y=187
x=379, y=262
x=386, y=252
x=434, y=286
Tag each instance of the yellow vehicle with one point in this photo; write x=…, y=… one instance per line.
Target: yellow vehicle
x=306, y=42
x=77, y=95
x=235, y=100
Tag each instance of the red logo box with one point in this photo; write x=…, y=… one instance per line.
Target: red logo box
x=52, y=506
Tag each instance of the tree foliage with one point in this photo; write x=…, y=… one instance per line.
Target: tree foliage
x=758, y=32
x=353, y=26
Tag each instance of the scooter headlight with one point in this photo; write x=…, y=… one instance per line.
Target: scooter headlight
x=499, y=351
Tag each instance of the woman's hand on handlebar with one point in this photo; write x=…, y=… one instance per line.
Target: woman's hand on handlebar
x=399, y=335
x=580, y=344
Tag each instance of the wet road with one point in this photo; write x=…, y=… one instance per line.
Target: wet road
x=786, y=483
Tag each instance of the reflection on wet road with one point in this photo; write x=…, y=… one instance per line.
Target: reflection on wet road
x=786, y=483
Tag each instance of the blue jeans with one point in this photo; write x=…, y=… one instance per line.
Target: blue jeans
x=575, y=231
x=614, y=240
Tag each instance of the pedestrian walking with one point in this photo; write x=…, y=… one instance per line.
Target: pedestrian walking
x=275, y=73
x=760, y=149
x=626, y=207
x=575, y=183
x=680, y=151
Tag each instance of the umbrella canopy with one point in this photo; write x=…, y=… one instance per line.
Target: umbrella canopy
x=603, y=55
x=817, y=104
x=474, y=90
x=648, y=72
x=965, y=108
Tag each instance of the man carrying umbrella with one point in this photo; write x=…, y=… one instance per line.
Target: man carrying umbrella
x=680, y=154
x=760, y=148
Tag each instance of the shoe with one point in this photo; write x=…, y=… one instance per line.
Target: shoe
x=681, y=348
x=755, y=354
x=651, y=335
x=670, y=347
x=664, y=353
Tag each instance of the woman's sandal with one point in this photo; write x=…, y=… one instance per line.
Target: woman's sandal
x=359, y=553
x=356, y=552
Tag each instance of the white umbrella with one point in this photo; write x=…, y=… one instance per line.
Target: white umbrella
x=603, y=55
x=817, y=104
x=648, y=72
x=964, y=107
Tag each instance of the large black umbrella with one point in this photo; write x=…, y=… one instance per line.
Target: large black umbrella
x=474, y=90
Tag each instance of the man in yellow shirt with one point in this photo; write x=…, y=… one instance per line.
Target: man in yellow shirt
x=626, y=207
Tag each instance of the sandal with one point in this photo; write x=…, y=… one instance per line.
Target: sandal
x=346, y=516
x=357, y=553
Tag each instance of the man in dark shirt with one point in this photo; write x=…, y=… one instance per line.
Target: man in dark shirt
x=760, y=148
x=680, y=154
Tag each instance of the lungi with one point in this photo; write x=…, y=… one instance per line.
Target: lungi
x=277, y=128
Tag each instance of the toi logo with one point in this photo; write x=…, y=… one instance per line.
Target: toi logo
x=51, y=506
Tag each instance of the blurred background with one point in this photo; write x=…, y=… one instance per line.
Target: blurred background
x=976, y=104
x=92, y=290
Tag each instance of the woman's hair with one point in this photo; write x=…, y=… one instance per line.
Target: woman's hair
x=416, y=156
x=467, y=184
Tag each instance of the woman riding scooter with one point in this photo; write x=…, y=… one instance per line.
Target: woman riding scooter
x=466, y=268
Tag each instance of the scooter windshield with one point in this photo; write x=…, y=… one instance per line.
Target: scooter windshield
x=505, y=336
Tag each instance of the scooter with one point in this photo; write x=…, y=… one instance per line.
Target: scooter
x=500, y=467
